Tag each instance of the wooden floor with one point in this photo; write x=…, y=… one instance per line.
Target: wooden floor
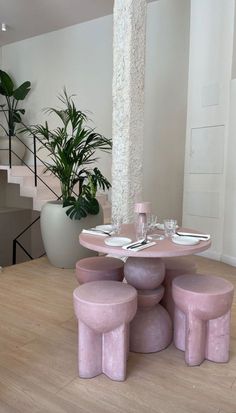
x=38, y=356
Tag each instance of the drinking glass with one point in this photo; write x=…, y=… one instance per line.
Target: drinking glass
x=151, y=222
x=141, y=230
x=116, y=223
x=170, y=227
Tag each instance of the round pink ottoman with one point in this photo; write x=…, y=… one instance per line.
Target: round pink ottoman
x=202, y=317
x=175, y=266
x=104, y=310
x=99, y=268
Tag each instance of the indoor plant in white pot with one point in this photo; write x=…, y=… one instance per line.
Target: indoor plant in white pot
x=71, y=147
x=11, y=115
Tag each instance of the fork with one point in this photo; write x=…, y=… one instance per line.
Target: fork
x=101, y=231
x=138, y=244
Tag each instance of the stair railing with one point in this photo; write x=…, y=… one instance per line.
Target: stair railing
x=16, y=241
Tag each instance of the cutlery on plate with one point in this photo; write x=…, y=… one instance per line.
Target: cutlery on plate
x=137, y=244
x=101, y=231
x=187, y=234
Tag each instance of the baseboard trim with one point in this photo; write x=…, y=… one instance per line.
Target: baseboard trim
x=211, y=254
x=228, y=259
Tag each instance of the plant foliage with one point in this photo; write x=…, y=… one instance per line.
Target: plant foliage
x=72, y=148
x=12, y=95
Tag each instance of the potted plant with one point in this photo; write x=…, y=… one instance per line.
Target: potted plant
x=11, y=115
x=72, y=150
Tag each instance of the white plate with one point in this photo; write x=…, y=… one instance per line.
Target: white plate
x=185, y=240
x=105, y=227
x=117, y=241
x=161, y=227
x=155, y=237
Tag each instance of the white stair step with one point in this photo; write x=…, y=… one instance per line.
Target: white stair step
x=50, y=180
x=22, y=170
x=15, y=179
x=40, y=192
x=23, y=176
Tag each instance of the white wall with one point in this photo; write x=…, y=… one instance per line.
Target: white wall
x=234, y=50
x=80, y=58
x=229, y=234
x=211, y=50
x=166, y=105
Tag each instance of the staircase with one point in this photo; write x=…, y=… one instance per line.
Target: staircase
x=48, y=187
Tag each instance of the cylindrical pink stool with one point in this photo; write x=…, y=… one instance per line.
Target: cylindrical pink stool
x=202, y=317
x=104, y=310
x=175, y=266
x=151, y=328
x=99, y=268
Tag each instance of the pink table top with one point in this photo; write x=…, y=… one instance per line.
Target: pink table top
x=163, y=248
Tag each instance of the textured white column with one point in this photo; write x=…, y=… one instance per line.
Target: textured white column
x=128, y=105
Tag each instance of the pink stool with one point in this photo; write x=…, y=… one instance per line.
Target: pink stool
x=202, y=317
x=151, y=328
x=99, y=268
x=175, y=267
x=104, y=310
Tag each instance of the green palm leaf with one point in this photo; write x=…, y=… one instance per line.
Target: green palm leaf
x=72, y=147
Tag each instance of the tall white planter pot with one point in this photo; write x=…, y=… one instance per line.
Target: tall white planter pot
x=16, y=145
x=60, y=234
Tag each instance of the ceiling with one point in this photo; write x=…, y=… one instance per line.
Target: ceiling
x=28, y=18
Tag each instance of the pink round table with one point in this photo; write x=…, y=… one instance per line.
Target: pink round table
x=151, y=329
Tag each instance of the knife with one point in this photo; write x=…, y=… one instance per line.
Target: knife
x=187, y=234
x=138, y=244
x=101, y=231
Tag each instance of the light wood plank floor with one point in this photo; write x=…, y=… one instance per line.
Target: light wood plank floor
x=38, y=371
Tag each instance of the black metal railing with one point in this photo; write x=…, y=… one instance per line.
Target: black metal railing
x=37, y=178
x=16, y=241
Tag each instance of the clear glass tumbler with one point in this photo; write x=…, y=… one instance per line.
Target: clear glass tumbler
x=170, y=227
x=141, y=230
x=116, y=224
x=151, y=221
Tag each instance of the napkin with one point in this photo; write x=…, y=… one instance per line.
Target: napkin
x=201, y=237
x=92, y=232
x=141, y=247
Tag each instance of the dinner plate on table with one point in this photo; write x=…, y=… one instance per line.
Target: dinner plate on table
x=185, y=240
x=117, y=241
x=107, y=228
x=161, y=227
x=155, y=237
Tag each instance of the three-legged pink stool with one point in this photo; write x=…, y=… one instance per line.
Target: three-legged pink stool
x=175, y=266
x=99, y=268
x=104, y=310
x=202, y=317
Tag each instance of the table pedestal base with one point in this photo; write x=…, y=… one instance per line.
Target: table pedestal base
x=151, y=328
